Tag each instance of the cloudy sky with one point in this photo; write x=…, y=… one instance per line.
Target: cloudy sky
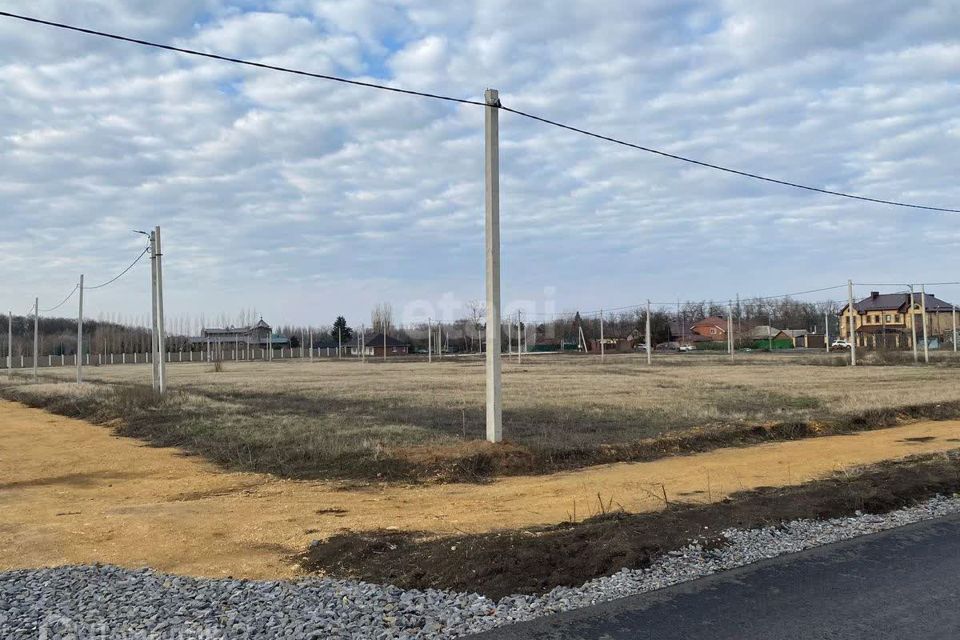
x=305, y=198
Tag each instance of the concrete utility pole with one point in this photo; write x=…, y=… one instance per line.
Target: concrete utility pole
x=954, y=314
x=80, y=334
x=649, y=338
x=602, y=350
x=339, y=342
x=730, y=327
x=10, y=344
x=363, y=344
x=494, y=408
x=913, y=327
x=161, y=336
x=36, y=335
x=923, y=319
x=311, y=344
x=429, y=340
x=384, y=341
x=519, y=349
x=852, y=332
x=509, y=339
x=154, y=371
x=826, y=330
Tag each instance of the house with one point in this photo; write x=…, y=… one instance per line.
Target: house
x=766, y=337
x=798, y=336
x=374, y=345
x=258, y=335
x=711, y=327
x=888, y=320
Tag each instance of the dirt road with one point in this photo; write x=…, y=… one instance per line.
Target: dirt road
x=72, y=492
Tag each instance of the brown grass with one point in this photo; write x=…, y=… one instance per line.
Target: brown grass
x=408, y=419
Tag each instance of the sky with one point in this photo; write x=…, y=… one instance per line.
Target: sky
x=306, y=199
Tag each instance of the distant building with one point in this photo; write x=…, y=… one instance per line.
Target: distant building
x=258, y=335
x=883, y=320
x=373, y=345
x=711, y=327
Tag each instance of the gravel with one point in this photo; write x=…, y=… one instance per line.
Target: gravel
x=80, y=602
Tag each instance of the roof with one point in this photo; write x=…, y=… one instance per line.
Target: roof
x=796, y=333
x=715, y=321
x=260, y=325
x=376, y=340
x=762, y=331
x=898, y=302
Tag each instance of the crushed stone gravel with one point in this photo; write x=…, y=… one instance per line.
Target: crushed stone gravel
x=80, y=602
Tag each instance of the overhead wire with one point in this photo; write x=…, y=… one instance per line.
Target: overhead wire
x=62, y=302
x=436, y=96
x=122, y=273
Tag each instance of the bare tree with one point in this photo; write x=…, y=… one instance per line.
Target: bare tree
x=381, y=318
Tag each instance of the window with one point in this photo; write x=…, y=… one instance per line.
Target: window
x=896, y=317
x=889, y=318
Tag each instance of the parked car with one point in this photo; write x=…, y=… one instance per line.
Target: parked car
x=839, y=343
x=686, y=347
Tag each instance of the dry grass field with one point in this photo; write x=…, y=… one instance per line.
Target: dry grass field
x=410, y=419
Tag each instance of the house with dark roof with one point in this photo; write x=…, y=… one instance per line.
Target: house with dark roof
x=374, y=345
x=889, y=320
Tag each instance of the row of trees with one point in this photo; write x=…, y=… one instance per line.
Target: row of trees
x=118, y=334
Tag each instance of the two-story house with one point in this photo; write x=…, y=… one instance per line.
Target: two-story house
x=883, y=320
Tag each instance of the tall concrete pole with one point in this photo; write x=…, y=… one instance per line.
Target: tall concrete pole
x=519, y=343
x=730, y=327
x=649, y=337
x=161, y=336
x=10, y=344
x=494, y=409
x=80, y=334
x=429, y=340
x=913, y=327
x=339, y=342
x=384, y=341
x=923, y=318
x=602, y=350
x=36, y=336
x=852, y=331
x=154, y=370
x=954, y=314
x=826, y=330
x=311, y=344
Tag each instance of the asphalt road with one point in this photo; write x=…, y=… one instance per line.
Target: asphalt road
x=903, y=583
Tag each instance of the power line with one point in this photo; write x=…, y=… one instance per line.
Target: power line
x=718, y=167
x=122, y=273
x=249, y=63
x=435, y=96
x=62, y=302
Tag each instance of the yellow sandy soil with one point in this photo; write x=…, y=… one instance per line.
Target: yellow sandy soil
x=72, y=492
